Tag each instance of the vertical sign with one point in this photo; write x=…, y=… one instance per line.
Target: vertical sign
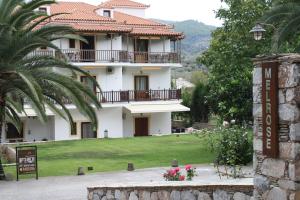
x=26, y=158
x=270, y=109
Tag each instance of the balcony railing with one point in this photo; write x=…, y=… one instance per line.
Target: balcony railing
x=127, y=96
x=141, y=95
x=73, y=55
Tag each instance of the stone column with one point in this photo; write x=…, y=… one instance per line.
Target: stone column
x=279, y=179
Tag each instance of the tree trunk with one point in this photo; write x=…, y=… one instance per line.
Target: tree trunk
x=2, y=122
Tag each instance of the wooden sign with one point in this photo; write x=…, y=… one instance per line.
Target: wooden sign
x=26, y=158
x=270, y=109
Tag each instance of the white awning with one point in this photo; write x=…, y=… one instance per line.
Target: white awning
x=31, y=113
x=156, y=108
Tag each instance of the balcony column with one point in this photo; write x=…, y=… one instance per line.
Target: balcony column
x=111, y=47
x=164, y=44
x=179, y=53
x=174, y=46
x=149, y=49
x=127, y=41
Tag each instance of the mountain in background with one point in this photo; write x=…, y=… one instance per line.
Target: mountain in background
x=197, y=37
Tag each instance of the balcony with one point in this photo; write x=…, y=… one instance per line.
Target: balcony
x=134, y=96
x=78, y=56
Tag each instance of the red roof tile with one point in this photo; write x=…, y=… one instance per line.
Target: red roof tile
x=154, y=32
x=133, y=20
x=76, y=11
x=100, y=28
x=122, y=3
x=83, y=17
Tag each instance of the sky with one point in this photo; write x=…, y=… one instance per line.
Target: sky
x=178, y=10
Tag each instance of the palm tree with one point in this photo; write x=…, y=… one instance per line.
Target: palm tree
x=285, y=16
x=36, y=78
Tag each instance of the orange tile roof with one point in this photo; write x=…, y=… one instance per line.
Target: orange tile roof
x=154, y=32
x=133, y=20
x=76, y=11
x=83, y=17
x=100, y=28
x=122, y=3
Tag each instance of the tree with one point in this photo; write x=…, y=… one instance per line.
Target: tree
x=229, y=59
x=29, y=77
x=199, y=76
x=199, y=104
x=285, y=16
x=23, y=30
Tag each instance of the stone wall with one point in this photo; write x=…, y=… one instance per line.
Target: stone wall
x=175, y=192
x=279, y=178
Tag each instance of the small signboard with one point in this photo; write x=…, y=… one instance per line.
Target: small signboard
x=270, y=109
x=26, y=158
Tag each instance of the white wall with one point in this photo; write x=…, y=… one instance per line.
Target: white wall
x=158, y=45
x=36, y=130
x=104, y=43
x=110, y=119
x=132, y=11
x=128, y=123
x=160, y=123
x=158, y=79
x=108, y=81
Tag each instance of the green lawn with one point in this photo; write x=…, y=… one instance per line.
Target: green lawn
x=63, y=158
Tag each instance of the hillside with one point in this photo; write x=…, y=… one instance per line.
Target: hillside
x=197, y=37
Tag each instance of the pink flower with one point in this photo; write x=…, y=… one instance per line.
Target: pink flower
x=188, y=167
x=181, y=178
x=177, y=169
x=172, y=172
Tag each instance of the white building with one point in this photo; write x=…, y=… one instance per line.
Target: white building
x=131, y=57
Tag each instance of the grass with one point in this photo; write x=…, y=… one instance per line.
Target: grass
x=63, y=158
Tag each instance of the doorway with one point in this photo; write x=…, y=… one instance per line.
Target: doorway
x=141, y=127
x=141, y=48
x=87, y=53
x=141, y=87
x=87, y=131
x=12, y=133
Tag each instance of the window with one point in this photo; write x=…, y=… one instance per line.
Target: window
x=43, y=9
x=43, y=48
x=86, y=81
x=141, y=83
x=106, y=13
x=71, y=43
x=74, y=132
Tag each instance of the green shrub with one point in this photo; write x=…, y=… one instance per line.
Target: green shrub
x=233, y=146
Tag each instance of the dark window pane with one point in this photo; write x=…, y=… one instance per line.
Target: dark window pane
x=71, y=43
x=106, y=13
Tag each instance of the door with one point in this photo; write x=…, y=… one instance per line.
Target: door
x=12, y=133
x=87, y=130
x=141, y=87
x=141, y=127
x=141, y=51
x=87, y=53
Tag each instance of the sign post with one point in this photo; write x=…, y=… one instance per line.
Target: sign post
x=270, y=109
x=26, y=158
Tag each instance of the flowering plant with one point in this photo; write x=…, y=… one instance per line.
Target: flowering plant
x=190, y=172
x=174, y=175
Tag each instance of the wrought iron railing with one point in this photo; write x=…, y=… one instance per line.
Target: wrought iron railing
x=141, y=95
x=77, y=55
